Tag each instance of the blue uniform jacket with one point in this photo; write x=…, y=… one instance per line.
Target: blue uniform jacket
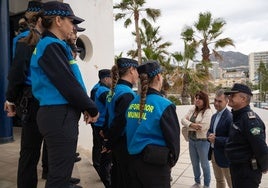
x=56, y=78
x=222, y=132
x=159, y=125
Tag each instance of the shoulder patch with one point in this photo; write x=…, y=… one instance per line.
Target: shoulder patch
x=251, y=115
x=255, y=131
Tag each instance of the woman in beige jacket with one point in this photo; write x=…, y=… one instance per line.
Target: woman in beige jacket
x=197, y=120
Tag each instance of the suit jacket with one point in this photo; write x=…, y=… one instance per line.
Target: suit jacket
x=222, y=133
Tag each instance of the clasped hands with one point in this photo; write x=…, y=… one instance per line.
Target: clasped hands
x=89, y=119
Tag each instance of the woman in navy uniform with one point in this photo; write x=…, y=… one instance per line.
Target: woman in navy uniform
x=124, y=76
x=246, y=148
x=101, y=161
x=57, y=84
x=153, y=132
x=19, y=91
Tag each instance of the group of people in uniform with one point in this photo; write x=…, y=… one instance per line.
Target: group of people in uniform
x=136, y=136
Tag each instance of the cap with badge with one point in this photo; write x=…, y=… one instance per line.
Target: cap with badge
x=56, y=8
x=34, y=6
x=103, y=73
x=151, y=68
x=237, y=88
x=125, y=63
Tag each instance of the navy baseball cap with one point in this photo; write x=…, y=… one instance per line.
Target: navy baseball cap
x=79, y=29
x=56, y=8
x=151, y=68
x=126, y=62
x=237, y=88
x=34, y=6
x=104, y=73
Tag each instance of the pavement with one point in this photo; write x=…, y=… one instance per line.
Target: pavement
x=182, y=173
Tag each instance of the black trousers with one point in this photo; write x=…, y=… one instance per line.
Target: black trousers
x=59, y=126
x=243, y=176
x=102, y=162
x=31, y=141
x=146, y=175
x=120, y=161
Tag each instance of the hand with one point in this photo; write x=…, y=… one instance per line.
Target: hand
x=10, y=109
x=88, y=119
x=211, y=138
x=196, y=126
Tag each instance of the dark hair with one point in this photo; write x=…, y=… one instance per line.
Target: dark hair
x=203, y=96
x=34, y=36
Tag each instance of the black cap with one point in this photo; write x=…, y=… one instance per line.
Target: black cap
x=34, y=6
x=239, y=88
x=104, y=73
x=56, y=8
x=151, y=68
x=125, y=62
x=79, y=29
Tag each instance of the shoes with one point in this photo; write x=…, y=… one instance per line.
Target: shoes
x=74, y=180
x=74, y=186
x=206, y=186
x=196, y=185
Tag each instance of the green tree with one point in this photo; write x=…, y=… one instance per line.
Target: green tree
x=263, y=80
x=132, y=9
x=205, y=33
x=190, y=79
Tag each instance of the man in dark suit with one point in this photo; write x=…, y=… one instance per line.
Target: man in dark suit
x=217, y=136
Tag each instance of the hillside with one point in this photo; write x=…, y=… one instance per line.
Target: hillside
x=232, y=59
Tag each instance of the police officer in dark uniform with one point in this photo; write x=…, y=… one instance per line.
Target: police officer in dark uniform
x=124, y=76
x=246, y=148
x=19, y=96
x=58, y=86
x=153, y=132
x=101, y=161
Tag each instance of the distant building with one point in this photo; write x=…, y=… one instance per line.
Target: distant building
x=232, y=75
x=215, y=71
x=254, y=61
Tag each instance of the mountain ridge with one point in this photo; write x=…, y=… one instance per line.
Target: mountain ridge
x=231, y=59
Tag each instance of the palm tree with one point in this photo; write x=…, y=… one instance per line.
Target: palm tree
x=190, y=79
x=205, y=33
x=132, y=9
x=152, y=45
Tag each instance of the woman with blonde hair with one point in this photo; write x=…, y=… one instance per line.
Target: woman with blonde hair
x=197, y=120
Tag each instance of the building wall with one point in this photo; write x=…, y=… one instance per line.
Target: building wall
x=99, y=41
x=254, y=62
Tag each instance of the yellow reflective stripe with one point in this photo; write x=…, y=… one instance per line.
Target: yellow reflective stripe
x=72, y=61
x=34, y=52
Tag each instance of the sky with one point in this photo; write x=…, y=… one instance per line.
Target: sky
x=246, y=23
